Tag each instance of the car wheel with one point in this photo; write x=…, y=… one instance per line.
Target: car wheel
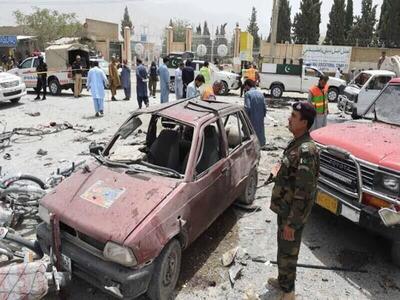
x=333, y=94
x=249, y=193
x=54, y=87
x=172, y=85
x=15, y=100
x=166, y=272
x=395, y=253
x=224, y=89
x=276, y=91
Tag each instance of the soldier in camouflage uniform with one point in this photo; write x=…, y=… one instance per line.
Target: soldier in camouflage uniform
x=293, y=195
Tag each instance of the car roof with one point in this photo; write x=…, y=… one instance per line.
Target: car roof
x=378, y=72
x=395, y=80
x=194, y=111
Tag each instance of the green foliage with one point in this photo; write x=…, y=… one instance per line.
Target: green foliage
x=126, y=21
x=253, y=28
x=335, y=34
x=284, y=23
x=349, y=18
x=389, y=24
x=306, y=22
x=49, y=25
x=362, y=33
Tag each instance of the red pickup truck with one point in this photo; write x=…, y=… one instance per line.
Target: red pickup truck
x=360, y=168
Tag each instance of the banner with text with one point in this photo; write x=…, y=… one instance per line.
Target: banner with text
x=327, y=58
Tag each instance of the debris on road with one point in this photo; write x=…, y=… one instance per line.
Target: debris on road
x=250, y=294
x=33, y=114
x=235, y=272
x=42, y=152
x=229, y=257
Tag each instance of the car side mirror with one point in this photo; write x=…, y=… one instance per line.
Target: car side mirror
x=95, y=148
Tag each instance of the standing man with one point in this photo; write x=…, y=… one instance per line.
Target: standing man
x=194, y=86
x=318, y=97
x=126, y=80
x=77, y=76
x=153, y=79
x=206, y=72
x=338, y=73
x=187, y=76
x=164, y=81
x=114, y=78
x=381, y=59
x=96, y=82
x=179, y=82
x=254, y=104
x=293, y=195
x=352, y=74
x=141, y=84
x=41, y=70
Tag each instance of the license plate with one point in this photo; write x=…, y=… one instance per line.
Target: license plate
x=66, y=263
x=328, y=202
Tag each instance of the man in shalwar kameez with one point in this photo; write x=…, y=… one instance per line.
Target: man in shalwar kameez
x=96, y=82
x=163, y=72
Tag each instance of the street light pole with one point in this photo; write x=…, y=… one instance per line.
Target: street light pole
x=274, y=29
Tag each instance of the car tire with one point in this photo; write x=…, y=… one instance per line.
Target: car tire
x=54, y=87
x=224, y=90
x=166, y=272
x=333, y=94
x=276, y=91
x=249, y=193
x=395, y=253
x=15, y=100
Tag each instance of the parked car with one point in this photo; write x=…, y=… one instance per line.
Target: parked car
x=279, y=78
x=11, y=87
x=360, y=168
x=362, y=91
x=124, y=224
x=59, y=59
x=103, y=64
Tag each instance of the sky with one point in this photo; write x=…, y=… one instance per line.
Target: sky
x=151, y=16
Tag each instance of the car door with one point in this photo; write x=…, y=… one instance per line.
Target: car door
x=310, y=78
x=211, y=182
x=27, y=72
x=240, y=151
x=370, y=91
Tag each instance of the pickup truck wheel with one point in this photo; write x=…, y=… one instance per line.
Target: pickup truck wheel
x=276, y=91
x=172, y=85
x=333, y=94
x=249, y=194
x=166, y=272
x=224, y=89
x=395, y=253
x=54, y=87
x=15, y=100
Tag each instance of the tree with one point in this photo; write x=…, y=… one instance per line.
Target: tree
x=284, y=22
x=349, y=18
x=253, y=28
x=48, y=25
x=335, y=34
x=389, y=26
x=206, y=31
x=362, y=33
x=126, y=22
x=306, y=22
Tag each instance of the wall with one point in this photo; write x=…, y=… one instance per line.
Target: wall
x=100, y=30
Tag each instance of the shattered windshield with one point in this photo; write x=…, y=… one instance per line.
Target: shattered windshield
x=152, y=143
x=361, y=79
x=387, y=107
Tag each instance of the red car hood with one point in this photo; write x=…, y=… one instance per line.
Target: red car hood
x=377, y=143
x=106, y=204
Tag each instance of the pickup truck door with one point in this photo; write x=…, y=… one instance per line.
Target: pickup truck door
x=310, y=78
x=27, y=71
x=370, y=91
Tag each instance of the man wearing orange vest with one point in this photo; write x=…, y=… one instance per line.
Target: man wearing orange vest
x=318, y=96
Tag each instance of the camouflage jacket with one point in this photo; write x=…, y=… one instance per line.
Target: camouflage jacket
x=296, y=182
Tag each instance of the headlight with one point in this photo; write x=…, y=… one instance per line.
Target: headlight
x=44, y=214
x=119, y=254
x=391, y=183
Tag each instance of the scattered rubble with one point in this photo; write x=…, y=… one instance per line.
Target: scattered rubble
x=235, y=272
x=42, y=152
x=229, y=257
x=33, y=114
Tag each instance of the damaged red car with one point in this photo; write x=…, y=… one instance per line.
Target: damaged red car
x=163, y=179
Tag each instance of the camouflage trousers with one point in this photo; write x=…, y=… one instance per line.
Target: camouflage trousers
x=288, y=253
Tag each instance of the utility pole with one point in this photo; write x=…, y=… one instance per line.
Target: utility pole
x=274, y=29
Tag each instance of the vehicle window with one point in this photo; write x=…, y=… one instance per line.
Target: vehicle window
x=35, y=62
x=236, y=131
x=26, y=64
x=379, y=82
x=311, y=72
x=361, y=79
x=210, y=152
x=387, y=105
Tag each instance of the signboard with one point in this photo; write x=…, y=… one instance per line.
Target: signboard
x=327, y=58
x=222, y=50
x=8, y=41
x=202, y=50
x=246, y=46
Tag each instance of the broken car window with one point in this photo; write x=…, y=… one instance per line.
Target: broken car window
x=211, y=148
x=387, y=106
x=236, y=131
